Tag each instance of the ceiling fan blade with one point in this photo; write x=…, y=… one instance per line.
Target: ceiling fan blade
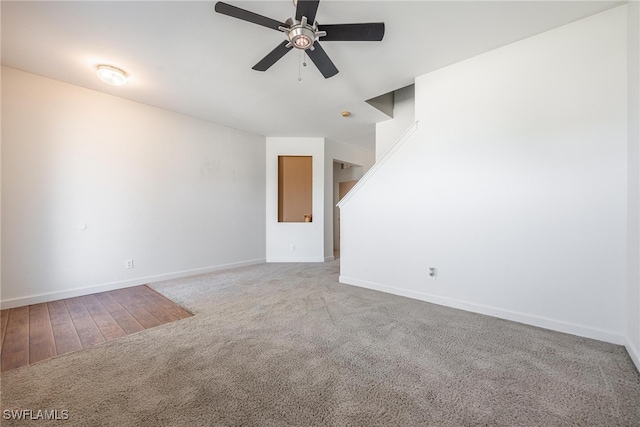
x=307, y=8
x=272, y=57
x=322, y=61
x=369, y=32
x=245, y=15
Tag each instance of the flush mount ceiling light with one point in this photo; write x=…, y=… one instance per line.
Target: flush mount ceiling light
x=111, y=75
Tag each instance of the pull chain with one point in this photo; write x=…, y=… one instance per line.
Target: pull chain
x=304, y=64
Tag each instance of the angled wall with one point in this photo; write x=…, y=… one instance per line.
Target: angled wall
x=90, y=180
x=389, y=131
x=514, y=186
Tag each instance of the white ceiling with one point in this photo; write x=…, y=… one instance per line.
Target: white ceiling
x=182, y=56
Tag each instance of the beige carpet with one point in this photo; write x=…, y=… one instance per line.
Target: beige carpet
x=286, y=345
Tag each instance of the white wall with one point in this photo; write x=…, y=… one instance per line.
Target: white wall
x=389, y=131
x=307, y=237
x=633, y=211
x=513, y=187
x=344, y=153
x=177, y=195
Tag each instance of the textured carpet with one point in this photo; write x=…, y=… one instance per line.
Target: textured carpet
x=285, y=344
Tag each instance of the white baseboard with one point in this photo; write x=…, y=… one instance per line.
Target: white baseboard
x=75, y=292
x=633, y=353
x=542, y=322
x=295, y=259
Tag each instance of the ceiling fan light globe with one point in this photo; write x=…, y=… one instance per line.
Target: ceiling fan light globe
x=301, y=37
x=301, y=42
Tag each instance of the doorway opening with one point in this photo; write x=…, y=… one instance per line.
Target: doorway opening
x=345, y=177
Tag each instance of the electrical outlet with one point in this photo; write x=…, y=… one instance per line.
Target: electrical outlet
x=293, y=247
x=433, y=272
x=128, y=264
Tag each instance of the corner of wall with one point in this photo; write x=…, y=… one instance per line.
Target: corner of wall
x=633, y=181
x=634, y=353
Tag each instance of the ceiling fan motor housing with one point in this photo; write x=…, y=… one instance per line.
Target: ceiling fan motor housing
x=301, y=35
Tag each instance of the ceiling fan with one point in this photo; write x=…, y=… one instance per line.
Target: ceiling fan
x=303, y=32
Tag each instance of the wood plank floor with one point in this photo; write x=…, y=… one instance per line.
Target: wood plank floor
x=41, y=331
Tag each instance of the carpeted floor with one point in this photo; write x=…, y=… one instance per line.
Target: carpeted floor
x=286, y=345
